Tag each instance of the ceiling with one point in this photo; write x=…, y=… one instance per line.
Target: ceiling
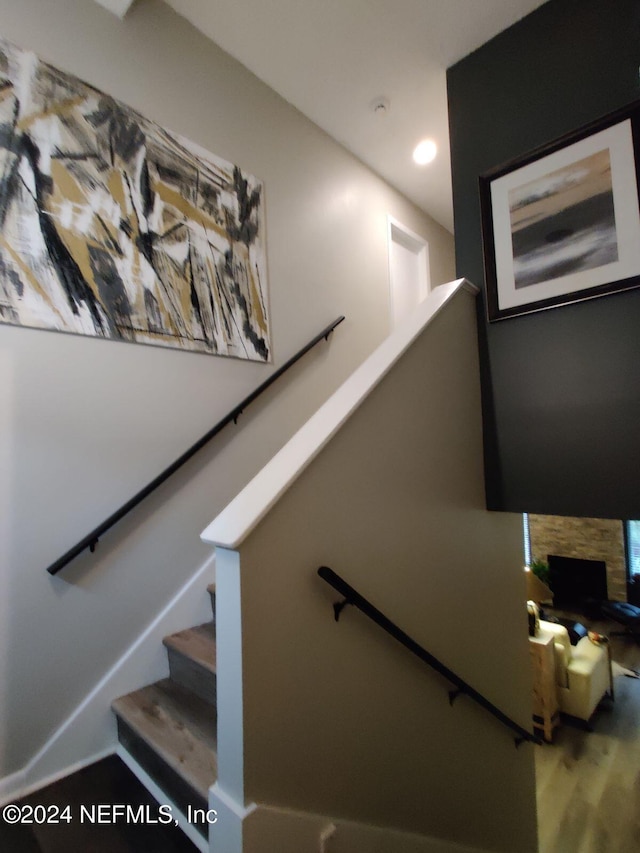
x=334, y=59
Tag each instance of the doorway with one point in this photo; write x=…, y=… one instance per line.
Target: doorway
x=408, y=270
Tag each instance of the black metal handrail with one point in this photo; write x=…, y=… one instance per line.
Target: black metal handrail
x=461, y=686
x=91, y=539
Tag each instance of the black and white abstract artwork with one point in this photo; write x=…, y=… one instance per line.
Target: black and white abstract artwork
x=112, y=227
x=564, y=222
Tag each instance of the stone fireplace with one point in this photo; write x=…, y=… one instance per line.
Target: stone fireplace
x=586, y=539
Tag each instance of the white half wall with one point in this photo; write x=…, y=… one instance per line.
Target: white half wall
x=339, y=719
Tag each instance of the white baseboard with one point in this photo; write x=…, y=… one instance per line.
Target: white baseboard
x=10, y=785
x=19, y=788
x=89, y=732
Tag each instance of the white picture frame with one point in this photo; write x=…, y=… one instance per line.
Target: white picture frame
x=563, y=223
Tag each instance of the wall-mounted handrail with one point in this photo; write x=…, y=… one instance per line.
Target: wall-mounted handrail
x=91, y=539
x=461, y=686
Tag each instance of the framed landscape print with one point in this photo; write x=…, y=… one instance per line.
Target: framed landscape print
x=563, y=223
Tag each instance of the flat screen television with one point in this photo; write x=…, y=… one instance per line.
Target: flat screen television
x=576, y=583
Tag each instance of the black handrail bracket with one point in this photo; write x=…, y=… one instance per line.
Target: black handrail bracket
x=338, y=607
x=91, y=539
x=460, y=687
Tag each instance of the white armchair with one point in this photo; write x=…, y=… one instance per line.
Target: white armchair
x=583, y=673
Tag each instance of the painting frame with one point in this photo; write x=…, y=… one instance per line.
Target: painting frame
x=561, y=224
x=115, y=227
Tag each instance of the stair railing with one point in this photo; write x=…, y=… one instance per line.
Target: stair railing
x=90, y=541
x=351, y=596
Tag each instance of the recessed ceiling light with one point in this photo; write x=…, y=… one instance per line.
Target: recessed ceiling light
x=425, y=152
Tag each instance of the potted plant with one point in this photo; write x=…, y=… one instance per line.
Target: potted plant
x=540, y=569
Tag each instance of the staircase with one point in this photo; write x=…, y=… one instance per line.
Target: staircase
x=169, y=727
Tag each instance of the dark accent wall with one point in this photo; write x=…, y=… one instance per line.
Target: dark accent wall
x=561, y=388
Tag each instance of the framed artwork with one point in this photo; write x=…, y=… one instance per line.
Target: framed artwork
x=563, y=223
x=113, y=227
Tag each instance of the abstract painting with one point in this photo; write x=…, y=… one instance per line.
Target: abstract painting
x=564, y=224
x=111, y=226
x=564, y=221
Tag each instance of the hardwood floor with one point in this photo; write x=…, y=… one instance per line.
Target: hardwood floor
x=588, y=783
x=107, y=782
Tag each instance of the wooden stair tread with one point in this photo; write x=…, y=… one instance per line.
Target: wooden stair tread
x=179, y=726
x=198, y=644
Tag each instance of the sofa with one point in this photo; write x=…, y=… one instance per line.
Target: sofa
x=583, y=672
x=626, y=614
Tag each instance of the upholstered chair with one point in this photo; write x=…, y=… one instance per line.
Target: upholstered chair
x=583, y=673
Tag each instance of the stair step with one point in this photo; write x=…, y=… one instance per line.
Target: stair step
x=172, y=734
x=192, y=660
x=211, y=589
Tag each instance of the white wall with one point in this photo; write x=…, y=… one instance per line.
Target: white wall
x=85, y=423
x=339, y=719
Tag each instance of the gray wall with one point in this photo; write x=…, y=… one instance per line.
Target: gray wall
x=85, y=423
x=560, y=387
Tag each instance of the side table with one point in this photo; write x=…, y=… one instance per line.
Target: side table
x=546, y=715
